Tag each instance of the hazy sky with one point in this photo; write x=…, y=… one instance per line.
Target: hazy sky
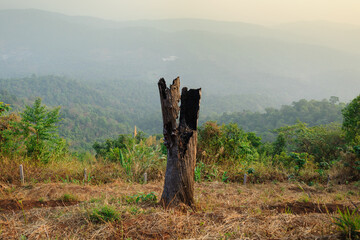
x=254, y=11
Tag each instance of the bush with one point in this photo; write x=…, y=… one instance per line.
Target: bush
x=217, y=144
x=135, y=155
x=323, y=142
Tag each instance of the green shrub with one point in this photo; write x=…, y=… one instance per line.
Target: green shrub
x=135, y=156
x=323, y=142
x=218, y=144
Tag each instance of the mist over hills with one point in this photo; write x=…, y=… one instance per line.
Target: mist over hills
x=224, y=58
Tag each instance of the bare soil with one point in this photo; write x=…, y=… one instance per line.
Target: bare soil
x=13, y=205
x=308, y=207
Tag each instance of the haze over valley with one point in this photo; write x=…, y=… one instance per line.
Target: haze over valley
x=239, y=66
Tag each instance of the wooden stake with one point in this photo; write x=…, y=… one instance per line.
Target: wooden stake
x=245, y=179
x=135, y=131
x=145, y=178
x=22, y=177
x=85, y=175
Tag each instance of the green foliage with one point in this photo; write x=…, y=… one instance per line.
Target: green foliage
x=299, y=159
x=279, y=145
x=135, y=155
x=250, y=171
x=104, y=214
x=41, y=132
x=310, y=112
x=324, y=142
x=106, y=149
x=199, y=168
x=348, y=223
x=351, y=122
x=225, y=143
x=224, y=177
x=142, y=198
x=35, y=133
x=4, y=108
x=351, y=163
x=357, y=150
x=11, y=138
x=254, y=140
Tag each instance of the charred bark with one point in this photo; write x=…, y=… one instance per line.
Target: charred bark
x=180, y=140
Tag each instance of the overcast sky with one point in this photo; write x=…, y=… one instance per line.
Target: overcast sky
x=264, y=12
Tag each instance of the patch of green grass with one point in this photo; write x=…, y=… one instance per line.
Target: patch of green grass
x=67, y=197
x=224, y=178
x=288, y=210
x=339, y=197
x=142, y=198
x=348, y=223
x=304, y=198
x=96, y=200
x=23, y=237
x=104, y=214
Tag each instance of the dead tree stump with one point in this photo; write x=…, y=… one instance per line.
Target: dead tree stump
x=180, y=140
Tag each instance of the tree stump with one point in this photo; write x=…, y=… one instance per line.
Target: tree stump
x=180, y=141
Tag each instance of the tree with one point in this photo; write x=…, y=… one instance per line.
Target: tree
x=180, y=141
x=351, y=121
x=39, y=125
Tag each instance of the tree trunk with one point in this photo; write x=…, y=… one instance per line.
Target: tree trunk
x=180, y=140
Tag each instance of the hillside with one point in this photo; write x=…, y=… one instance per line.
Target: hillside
x=95, y=111
x=224, y=58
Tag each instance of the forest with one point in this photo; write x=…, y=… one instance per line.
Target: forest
x=95, y=111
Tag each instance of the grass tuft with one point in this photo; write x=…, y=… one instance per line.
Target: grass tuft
x=348, y=223
x=104, y=214
x=67, y=197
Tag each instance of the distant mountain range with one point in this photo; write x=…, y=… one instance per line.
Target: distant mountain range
x=284, y=62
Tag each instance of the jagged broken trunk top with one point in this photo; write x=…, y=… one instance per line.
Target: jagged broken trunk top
x=180, y=140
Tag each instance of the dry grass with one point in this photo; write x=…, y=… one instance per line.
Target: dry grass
x=224, y=211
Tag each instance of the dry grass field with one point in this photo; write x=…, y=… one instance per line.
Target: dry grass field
x=222, y=211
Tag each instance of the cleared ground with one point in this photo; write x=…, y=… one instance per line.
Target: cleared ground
x=223, y=211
